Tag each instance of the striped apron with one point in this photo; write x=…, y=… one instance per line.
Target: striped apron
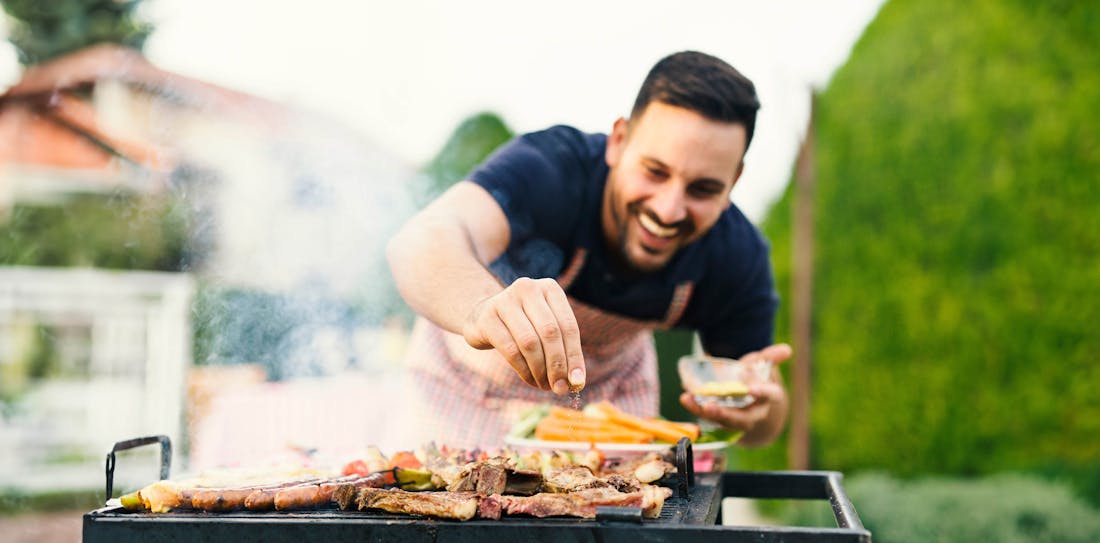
x=464, y=397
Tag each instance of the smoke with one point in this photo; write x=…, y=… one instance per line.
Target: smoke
x=289, y=247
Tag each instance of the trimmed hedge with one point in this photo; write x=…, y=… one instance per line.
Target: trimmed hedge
x=1004, y=508
x=957, y=222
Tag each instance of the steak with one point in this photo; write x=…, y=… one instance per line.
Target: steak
x=571, y=479
x=577, y=504
x=446, y=504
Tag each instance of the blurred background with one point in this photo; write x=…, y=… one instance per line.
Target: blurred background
x=194, y=198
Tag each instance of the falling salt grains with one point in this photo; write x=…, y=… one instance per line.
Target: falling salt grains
x=575, y=398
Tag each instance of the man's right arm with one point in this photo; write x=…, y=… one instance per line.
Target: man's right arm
x=438, y=260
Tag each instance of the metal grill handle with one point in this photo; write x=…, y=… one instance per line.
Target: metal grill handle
x=685, y=468
x=165, y=457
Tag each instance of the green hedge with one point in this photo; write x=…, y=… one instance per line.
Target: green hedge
x=114, y=231
x=957, y=222
x=1002, y=508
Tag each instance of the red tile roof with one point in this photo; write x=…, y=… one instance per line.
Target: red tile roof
x=44, y=121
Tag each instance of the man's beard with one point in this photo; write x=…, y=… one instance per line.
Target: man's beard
x=621, y=254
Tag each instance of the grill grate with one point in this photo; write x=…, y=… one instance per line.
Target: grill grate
x=690, y=517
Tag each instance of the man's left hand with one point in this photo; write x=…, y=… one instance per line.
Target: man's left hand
x=760, y=420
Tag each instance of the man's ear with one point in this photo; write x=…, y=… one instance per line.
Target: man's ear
x=616, y=142
x=736, y=177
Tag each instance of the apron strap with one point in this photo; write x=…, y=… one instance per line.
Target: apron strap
x=570, y=273
x=680, y=298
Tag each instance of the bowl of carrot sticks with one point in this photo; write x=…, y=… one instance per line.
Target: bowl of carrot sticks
x=613, y=432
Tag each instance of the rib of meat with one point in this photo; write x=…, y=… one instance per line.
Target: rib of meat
x=623, y=483
x=522, y=482
x=496, y=475
x=345, y=494
x=491, y=478
x=450, y=505
x=571, y=479
x=582, y=503
x=653, y=500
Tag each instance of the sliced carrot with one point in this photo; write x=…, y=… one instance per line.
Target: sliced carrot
x=691, y=428
x=658, y=428
x=567, y=413
x=589, y=436
x=604, y=428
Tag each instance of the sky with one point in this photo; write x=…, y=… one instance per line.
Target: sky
x=404, y=74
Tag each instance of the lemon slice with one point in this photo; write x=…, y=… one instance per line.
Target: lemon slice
x=723, y=388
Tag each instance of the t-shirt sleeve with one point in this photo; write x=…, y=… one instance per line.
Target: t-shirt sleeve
x=747, y=322
x=534, y=178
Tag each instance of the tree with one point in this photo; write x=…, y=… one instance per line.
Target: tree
x=41, y=31
x=469, y=144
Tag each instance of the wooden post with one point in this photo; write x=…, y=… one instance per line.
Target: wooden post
x=802, y=242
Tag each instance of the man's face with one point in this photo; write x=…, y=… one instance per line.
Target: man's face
x=671, y=172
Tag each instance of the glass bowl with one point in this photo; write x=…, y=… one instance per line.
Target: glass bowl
x=723, y=381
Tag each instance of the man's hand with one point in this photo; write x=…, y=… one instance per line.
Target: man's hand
x=761, y=420
x=532, y=325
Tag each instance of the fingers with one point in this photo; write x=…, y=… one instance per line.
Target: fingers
x=570, y=337
x=499, y=337
x=524, y=340
x=532, y=325
x=736, y=418
x=776, y=353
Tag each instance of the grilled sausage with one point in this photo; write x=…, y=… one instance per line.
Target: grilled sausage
x=263, y=499
x=319, y=494
x=234, y=498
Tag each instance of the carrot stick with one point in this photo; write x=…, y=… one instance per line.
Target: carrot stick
x=566, y=413
x=564, y=434
x=658, y=428
x=591, y=426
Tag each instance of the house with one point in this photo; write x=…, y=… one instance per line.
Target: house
x=282, y=198
x=281, y=201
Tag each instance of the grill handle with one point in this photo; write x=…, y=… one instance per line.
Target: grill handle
x=798, y=485
x=165, y=456
x=843, y=510
x=685, y=468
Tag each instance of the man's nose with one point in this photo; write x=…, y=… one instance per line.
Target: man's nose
x=668, y=204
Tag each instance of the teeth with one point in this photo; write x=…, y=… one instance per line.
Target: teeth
x=653, y=228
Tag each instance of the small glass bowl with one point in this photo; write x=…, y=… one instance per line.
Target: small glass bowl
x=723, y=381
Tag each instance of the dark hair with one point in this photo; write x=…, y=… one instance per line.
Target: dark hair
x=704, y=84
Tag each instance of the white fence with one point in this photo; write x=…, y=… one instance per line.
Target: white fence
x=119, y=344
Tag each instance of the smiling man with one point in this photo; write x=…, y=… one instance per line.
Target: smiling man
x=548, y=270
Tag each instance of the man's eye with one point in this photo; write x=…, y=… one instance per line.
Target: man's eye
x=702, y=191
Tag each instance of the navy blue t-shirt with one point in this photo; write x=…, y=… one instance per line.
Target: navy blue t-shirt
x=550, y=185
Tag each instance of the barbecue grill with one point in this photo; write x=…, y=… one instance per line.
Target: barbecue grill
x=690, y=515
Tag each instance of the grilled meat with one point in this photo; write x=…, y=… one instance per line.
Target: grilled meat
x=571, y=479
x=575, y=504
x=345, y=494
x=450, y=505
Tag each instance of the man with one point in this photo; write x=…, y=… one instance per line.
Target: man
x=549, y=268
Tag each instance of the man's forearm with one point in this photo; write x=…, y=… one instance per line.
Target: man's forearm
x=437, y=271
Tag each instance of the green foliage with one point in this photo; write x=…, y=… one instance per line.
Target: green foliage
x=117, y=231
x=13, y=502
x=470, y=143
x=671, y=345
x=47, y=30
x=957, y=232
x=1003, y=508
